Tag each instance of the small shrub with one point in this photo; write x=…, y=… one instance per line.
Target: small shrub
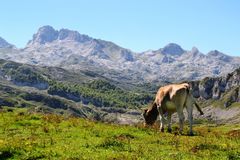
x=234, y=134
x=9, y=110
x=45, y=129
x=233, y=155
x=21, y=114
x=52, y=118
x=124, y=136
x=204, y=147
x=112, y=143
x=35, y=117
x=6, y=153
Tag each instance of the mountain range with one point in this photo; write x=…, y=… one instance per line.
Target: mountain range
x=66, y=72
x=74, y=51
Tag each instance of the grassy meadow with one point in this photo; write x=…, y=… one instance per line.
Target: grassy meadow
x=30, y=136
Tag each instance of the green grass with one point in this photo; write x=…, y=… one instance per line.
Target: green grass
x=25, y=135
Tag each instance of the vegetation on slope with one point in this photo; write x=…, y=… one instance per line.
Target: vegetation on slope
x=100, y=93
x=23, y=75
x=25, y=135
x=40, y=102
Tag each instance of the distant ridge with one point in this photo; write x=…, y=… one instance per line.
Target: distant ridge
x=74, y=51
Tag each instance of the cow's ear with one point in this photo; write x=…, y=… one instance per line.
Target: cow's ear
x=154, y=104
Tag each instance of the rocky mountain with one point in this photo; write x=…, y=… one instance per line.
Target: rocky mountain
x=74, y=51
x=219, y=97
x=7, y=50
x=5, y=44
x=48, y=34
x=69, y=49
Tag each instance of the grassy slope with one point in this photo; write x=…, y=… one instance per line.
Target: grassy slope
x=26, y=135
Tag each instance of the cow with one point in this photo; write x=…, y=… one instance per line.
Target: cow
x=170, y=99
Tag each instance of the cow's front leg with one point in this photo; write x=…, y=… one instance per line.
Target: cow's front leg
x=161, y=117
x=161, y=123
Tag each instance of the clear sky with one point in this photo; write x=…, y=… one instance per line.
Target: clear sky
x=138, y=25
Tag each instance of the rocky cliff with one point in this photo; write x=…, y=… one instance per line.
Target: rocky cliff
x=221, y=88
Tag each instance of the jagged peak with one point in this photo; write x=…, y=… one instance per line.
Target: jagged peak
x=219, y=55
x=172, y=49
x=46, y=28
x=215, y=53
x=194, y=50
x=66, y=34
x=46, y=34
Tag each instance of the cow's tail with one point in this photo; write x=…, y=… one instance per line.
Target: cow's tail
x=195, y=103
x=198, y=108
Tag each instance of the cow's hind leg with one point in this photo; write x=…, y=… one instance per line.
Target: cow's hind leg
x=181, y=118
x=169, y=123
x=190, y=118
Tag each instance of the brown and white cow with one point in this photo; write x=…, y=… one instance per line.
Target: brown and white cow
x=170, y=99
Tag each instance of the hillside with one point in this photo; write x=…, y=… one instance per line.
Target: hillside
x=30, y=135
x=89, y=95
x=55, y=90
x=71, y=50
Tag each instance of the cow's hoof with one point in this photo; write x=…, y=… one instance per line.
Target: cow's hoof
x=169, y=130
x=181, y=132
x=190, y=134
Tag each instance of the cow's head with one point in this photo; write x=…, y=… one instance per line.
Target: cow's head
x=150, y=114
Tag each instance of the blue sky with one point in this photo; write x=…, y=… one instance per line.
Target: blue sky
x=138, y=25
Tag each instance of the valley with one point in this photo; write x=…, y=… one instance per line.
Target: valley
x=88, y=95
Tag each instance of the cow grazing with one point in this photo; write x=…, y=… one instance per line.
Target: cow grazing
x=170, y=99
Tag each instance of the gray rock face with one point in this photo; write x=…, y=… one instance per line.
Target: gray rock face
x=45, y=34
x=65, y=34
x=217, y=88
x=74, y=51
x=220, y=56
x=5, y=44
